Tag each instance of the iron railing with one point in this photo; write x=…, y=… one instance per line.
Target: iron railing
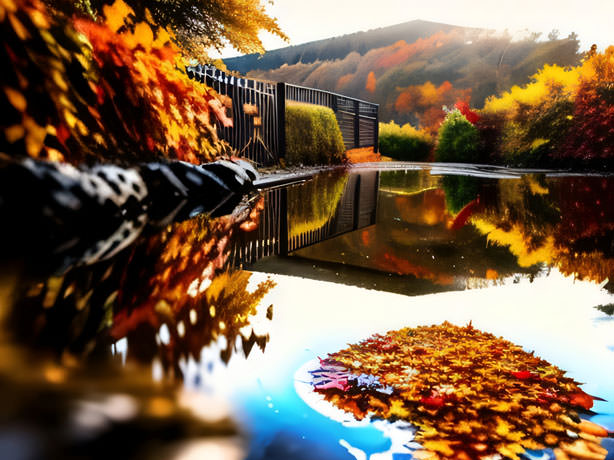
x=257, y=108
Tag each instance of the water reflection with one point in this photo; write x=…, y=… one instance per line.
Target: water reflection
x=467, y=231
x=177, y=303
x=161, y=299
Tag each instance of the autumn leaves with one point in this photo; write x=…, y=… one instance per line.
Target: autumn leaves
x=79, y=90
x=471, y=394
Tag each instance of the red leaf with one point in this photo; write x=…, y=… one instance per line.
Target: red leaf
x=581, y=399
x=524, y=375
x=432, y=402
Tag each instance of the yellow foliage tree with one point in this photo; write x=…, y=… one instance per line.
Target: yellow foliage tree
x=197, y=25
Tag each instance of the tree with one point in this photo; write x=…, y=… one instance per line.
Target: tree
x=553, y=35
x=458, y=140
x=198, y=25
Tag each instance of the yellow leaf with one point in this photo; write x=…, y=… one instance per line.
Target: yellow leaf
x=162, y=38
x=143, y=35
x=35, y=136
x=503, y=428
x=14, y=133
x=115, y=14
x=39, y=19
x=442, y=447
x=59, y=80
x=462, y=427
x=9, y=5
x=551, y=425
x=501, y=406
x=70, y=119
x=397, y=409
x=19, y=28
x=16, y=99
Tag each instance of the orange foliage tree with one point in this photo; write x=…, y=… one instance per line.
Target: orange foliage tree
x=425, y=102
x=401, y=51
x=593, y=118
x=114, y=91
x=371, y=82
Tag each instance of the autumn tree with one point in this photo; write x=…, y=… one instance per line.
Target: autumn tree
x=458, y=140
x=424, y=102
x=371, y=82
x=198, y=25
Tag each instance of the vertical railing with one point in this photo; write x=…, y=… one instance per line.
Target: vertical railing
x=255, y=111
x=258, y=113
x=358, y=120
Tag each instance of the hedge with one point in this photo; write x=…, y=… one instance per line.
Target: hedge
x=404, y=143
x=312, y=135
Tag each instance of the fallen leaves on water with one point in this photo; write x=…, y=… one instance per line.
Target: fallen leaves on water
x=470, y=393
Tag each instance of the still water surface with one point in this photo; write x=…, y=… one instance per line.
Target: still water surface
x=149, y=348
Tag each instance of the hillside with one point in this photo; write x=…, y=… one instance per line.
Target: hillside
x=412, y=80
x=337, y=47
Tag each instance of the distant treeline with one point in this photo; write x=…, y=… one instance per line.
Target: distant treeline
x=413, y=80
x=337, y=47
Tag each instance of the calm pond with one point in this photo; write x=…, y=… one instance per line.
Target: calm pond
x=229, y=338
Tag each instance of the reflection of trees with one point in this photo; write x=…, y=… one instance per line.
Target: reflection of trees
x=178, y=277
x=460, y=190
x=414, y=236
x=568, y=222
x=406, y=182
x=314, y=203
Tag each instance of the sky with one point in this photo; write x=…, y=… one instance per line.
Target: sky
x=308, y=20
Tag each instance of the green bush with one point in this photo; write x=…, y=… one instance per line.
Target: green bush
x=458, y=141
x=312, y=135
x=404, y=143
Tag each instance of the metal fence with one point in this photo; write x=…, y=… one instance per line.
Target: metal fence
x=358, y=120
x=258, y=112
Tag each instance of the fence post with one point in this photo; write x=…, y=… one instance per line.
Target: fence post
x=376, y=133
x=356, y=124
x=284, y=242
x=281, y=120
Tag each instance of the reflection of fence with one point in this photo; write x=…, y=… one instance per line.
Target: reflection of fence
x=271, y=236
x=356, y=209
x=258, y=112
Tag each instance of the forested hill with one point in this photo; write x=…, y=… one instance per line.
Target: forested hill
x=412, y=80
x=338, y=47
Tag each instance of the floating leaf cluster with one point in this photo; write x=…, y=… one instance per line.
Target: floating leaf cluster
x=471, y=394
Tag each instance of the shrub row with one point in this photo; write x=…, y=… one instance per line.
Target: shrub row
x=404, y=143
